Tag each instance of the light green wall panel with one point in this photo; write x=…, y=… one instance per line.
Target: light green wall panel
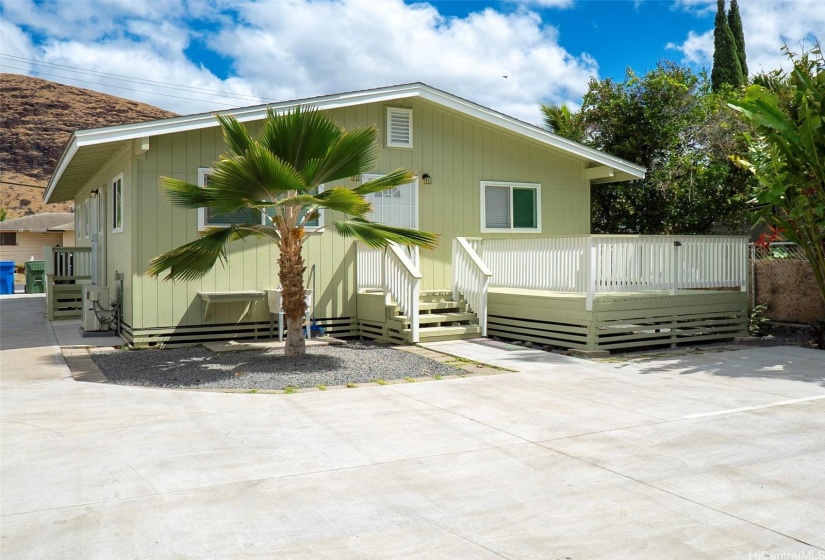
x=458, y=152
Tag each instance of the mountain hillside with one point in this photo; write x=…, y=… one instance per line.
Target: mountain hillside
x=37, y=117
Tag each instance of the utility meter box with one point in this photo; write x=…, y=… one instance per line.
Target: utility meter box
x=95, y=303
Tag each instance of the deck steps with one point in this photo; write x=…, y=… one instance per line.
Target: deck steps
x=437, y=334
x=440, y=317
x=430, y=318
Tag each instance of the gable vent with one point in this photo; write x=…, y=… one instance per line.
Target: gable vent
x=399, y=128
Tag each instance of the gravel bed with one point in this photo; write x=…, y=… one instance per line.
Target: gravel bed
x=198, y=367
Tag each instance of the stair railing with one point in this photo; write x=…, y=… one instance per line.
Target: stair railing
x=402, y=285
x=471, y=278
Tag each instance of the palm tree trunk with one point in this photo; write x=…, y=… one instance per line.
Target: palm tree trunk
x=291, y=274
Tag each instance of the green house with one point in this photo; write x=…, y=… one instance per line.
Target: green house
x=510, y=201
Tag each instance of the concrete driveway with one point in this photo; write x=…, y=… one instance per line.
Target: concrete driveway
x=708, y=456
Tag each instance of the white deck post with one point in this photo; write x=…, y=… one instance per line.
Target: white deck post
x=591, y=276
x=674, y=277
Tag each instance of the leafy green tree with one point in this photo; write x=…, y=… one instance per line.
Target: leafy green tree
x=277, y=175
x=726, y=66
x=787, y=153
x=3, y=214
x=671, y=123
x=735, y=24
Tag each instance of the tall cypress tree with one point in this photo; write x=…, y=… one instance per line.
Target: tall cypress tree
x=735, y=24
x=726, y=67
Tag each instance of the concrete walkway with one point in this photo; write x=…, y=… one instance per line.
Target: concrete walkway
x=709, y=456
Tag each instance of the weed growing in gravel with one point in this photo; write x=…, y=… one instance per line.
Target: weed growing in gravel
x=379, y=381
x=289, y=389
x=252, y=391
x=322, y=387
x=438, y=377
x=409, y=380
x=352, y=385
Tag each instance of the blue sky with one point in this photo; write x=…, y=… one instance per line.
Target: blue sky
x=203, y=55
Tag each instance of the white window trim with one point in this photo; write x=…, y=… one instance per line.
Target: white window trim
x=87, y=218
x=390, y=143
x=202, y=225
x=119, y=200
x=535, y=186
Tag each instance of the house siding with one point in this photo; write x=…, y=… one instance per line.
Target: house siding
x=457, y=151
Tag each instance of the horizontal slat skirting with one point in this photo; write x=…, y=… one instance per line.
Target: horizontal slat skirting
x=686, y=317
x=548, y=339
x=168, y=336
x=540, y=325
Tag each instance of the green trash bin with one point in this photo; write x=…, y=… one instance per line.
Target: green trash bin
x=35, y=277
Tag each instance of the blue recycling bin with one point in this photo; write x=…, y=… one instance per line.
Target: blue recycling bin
x=6, y=277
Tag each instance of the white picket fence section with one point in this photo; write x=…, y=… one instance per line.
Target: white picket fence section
x=594, y=264
x=369, y=264
x=393, y=271
x=471, y=278
x=547, y=263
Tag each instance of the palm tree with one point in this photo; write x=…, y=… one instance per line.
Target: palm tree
x=278, y=174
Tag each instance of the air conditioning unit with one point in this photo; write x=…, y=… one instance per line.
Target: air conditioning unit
x=91, y=295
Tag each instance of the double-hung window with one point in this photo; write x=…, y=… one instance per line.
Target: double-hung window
x=117, y=204
x=510, y=207
x=209, y=218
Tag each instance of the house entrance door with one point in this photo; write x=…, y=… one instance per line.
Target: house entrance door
x=397, y=207
x=98, y=238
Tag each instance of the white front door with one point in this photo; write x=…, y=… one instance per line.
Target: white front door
x=397, y=207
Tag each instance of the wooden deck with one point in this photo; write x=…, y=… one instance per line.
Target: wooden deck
x=618, y=320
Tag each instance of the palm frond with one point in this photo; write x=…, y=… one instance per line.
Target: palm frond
x=183, y=194
x=194, y=259
x=234, y=134
x=299, y=136
x=380, y=235
x=344, y=200
x=241, y=181
x=256, y=230
x=393, y=179
x=354, y=153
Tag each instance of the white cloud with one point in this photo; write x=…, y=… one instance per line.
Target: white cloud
x=767, y=26
x=697, y=49
x=287, y=49
x=301, y=48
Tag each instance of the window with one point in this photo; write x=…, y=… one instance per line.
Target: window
x=399, y=128
x=312, y=225
x=117, y=204
x=8, y=238
x=510, y=207
x=209, y=218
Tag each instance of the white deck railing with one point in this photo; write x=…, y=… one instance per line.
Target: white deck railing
x=471, y=278
x=617, y=263
x=68, y=261
x=393, y=271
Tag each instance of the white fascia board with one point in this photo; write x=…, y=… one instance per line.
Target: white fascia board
x=246, y=114
x=120, y=133
x=65, y=159
x=524, y=129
